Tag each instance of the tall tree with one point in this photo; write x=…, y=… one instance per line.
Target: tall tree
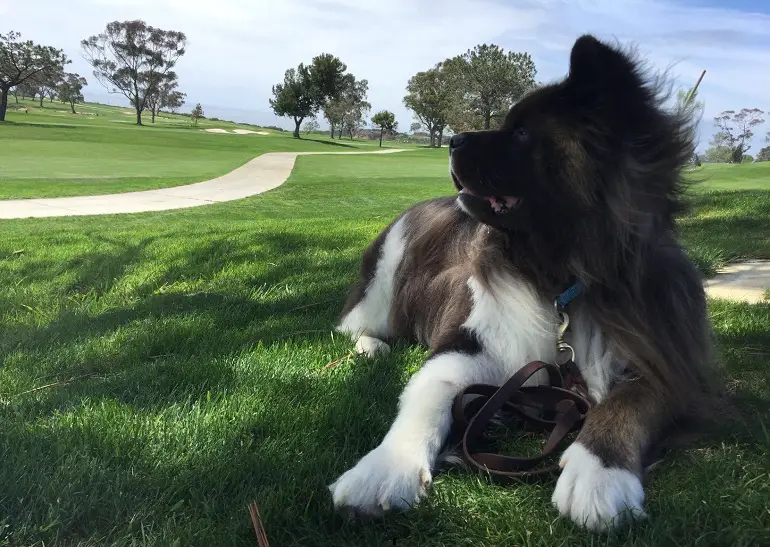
x=489, y=80
x=386, y=121
x=307, y=89
x=294, y=97
x=311, y=126
x=736, y=130
x=22, y=60
x=165, y=95
x=196, y=114
x=134, y=58
x=431, y=96
x=71, y=90
x=718, y=151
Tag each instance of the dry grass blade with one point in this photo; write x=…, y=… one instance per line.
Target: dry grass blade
x=259, y=529
x=56, y=384
x=339, y=361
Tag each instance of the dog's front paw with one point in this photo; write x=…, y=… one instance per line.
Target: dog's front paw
x=594, y=496
x=387, y=478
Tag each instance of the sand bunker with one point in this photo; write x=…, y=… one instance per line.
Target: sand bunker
x=236, y=131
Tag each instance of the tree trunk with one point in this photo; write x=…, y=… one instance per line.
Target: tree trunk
x=41, y=100
x=487, y=119
x=138, y=116
x=16, y=95
x=3, y=103
x=440, y=137
x=72, y=104
x=332, y=130
x=382, y=130
x=339, y=133
x=51, y=97
x=153, y=115
x=297, y=123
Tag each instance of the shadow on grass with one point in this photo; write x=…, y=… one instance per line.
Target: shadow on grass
x=329, y=143
x=172, y=344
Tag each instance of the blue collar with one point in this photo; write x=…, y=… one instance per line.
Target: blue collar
x=563, y=300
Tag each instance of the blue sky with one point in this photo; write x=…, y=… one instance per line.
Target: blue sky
x=239, y=48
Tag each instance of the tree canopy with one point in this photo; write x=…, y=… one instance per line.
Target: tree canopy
x=71, y=89
x=347, y=110
x=736, y=131
x=386, y=121
x=20, y=61
x=309, y=88
x=165, y=95
x=431, y=96
x=489, y=81
x=196, y=114
x=134, y=59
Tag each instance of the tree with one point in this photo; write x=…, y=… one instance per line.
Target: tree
x=431, y=96
x=164, y=96
x=386, y=121
x=294, y=97
x=174, y=101
x=489, y=80
x=736, y=130
x=133, y=58
x=354, y=105
x=763, y=154
x=747, y=158
x=718, y=150
x=20, y=61
x=71, y=90
x=311, y=126
x=307, y=89
x=47, y=83
x=196, y=114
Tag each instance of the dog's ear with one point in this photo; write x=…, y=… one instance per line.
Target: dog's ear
x=596, y=65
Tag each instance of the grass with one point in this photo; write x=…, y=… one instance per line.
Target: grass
x=101, y=151
x=161, y=371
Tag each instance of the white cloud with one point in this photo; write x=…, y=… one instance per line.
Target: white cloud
x=239, y=48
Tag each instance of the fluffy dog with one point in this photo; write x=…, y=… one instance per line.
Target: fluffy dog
x=581, y=183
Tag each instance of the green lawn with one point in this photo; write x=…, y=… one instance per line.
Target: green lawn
x=50, y=152
x=161, y=371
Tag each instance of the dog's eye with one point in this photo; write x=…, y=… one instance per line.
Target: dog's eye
x=520, y=133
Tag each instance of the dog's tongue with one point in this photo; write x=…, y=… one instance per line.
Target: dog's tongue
x=500, y=204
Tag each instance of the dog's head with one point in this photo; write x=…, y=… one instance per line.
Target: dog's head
x=593, y=153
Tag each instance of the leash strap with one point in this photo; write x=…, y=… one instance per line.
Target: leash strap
x=543, y=408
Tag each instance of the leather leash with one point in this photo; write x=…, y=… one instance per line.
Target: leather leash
x=557, y=409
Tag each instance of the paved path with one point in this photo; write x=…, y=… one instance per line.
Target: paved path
x=263, y=173
x=744, y=281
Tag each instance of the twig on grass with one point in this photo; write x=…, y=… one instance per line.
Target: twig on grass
x=339, y=361
x=55, y=384
x=259, y=528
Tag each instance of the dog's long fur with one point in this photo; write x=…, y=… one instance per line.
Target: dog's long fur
x=592, y=166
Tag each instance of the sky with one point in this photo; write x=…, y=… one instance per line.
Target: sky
x=237, y=49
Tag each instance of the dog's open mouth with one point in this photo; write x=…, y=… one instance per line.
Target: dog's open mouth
x=500, y=204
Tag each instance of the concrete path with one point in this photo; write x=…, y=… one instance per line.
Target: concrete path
x=263, y=173
x=742, y=281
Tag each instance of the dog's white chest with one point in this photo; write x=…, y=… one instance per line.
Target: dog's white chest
x=514, y=324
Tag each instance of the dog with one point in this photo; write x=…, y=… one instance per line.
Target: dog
x=581, y=184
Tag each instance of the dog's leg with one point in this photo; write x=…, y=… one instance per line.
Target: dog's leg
x=366, y=317
x=600, y=485
x=397, y=473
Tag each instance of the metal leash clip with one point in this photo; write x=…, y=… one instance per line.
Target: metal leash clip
x=561, y=344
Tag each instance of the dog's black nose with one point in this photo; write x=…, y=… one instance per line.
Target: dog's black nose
x=456, y=141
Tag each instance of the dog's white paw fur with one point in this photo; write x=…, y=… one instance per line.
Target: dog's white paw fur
x=596, y=497
x=387, y=478
x=370, y=346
